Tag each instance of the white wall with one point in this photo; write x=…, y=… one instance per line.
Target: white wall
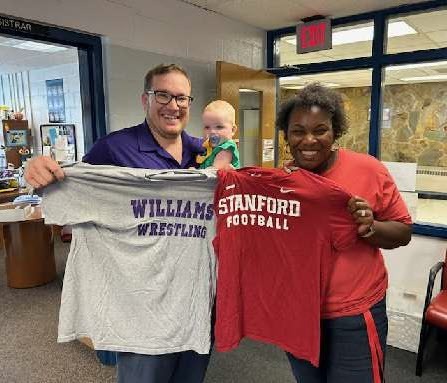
x=167, y=27
x=39, y=106
x=139, y=34
x=408, y=269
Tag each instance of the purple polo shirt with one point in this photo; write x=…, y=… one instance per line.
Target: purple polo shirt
x=136, y=147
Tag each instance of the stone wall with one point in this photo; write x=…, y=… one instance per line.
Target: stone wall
x=414, y=125
x=418, y=131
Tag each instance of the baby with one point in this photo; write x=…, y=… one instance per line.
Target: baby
x=218, y=129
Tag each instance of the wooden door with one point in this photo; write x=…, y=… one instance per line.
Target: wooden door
x=230, y=79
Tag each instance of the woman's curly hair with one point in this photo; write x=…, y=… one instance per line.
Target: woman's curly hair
x=318, y=95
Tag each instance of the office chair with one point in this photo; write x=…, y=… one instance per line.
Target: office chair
x=435, y=310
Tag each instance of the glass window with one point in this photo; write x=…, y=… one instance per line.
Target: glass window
x=414, y=131
x=355, y=87
x=427, y=30
x=347, y=42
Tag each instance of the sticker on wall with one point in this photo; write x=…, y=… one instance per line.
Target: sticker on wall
x=386, y=117
x=268, y=150
x=55, y=99
x=14, y=137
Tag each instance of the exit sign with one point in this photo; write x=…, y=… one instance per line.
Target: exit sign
x=314, y=36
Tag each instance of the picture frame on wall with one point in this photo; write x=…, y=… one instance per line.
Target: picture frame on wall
x=58, y=141
x=386, y=117
x=55, y=100
x=16, y=137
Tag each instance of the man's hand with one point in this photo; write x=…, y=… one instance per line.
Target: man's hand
x=42, y=171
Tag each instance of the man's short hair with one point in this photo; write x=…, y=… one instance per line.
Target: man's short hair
x=222, y=107
x=161, y=70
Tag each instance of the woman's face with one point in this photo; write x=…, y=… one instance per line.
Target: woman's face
x=310, y=137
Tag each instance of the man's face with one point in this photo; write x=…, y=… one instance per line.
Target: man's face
x=167, y=121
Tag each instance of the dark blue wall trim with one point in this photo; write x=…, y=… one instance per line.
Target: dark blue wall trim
x=376, y=84
x=431, y=231
x=271, y=42
x=407, y=8
x=377, y=61
x=91, y=71
x=327, y=66
x=361, y=62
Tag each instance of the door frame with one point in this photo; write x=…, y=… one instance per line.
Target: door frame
x=237, y=77
x=90, y=67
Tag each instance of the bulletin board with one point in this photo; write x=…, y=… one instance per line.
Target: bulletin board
x=50, y=132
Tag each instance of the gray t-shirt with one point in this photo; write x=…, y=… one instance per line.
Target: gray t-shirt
x=140, y=276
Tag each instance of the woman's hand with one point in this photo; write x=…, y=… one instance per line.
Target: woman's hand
x=289, y=166
x=42, y=171
x=362, y=214
x=384, y=234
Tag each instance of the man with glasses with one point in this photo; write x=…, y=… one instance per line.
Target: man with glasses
x=160, y=142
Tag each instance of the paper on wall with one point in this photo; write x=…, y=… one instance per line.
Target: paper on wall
x=268, y=150
x=411, y=200
x=404, y=174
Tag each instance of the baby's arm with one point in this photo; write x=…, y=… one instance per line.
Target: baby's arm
x=223, y=160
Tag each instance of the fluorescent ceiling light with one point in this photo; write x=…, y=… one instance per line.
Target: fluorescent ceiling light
x=397, y=28
x=31, y=45
x=416, y=66
x=290, y=79
x=330, y=84
x=244, y=90
x=300, y=86
x=426, y=78
x=400, y=28
x=355, y=35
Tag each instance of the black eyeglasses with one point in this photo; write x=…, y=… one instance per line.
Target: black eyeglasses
x=165, y=98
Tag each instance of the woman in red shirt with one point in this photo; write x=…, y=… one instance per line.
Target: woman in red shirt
x=355, y=325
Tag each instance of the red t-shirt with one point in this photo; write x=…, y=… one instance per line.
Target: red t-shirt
x=276, y=235
x=359, y=278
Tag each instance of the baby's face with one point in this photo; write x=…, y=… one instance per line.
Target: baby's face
x=215, y=123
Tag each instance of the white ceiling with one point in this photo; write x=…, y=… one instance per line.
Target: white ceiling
x=16, y=60
x=273, y=14
x=268, y=14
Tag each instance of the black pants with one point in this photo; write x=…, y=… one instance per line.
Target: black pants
x=345, y=355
